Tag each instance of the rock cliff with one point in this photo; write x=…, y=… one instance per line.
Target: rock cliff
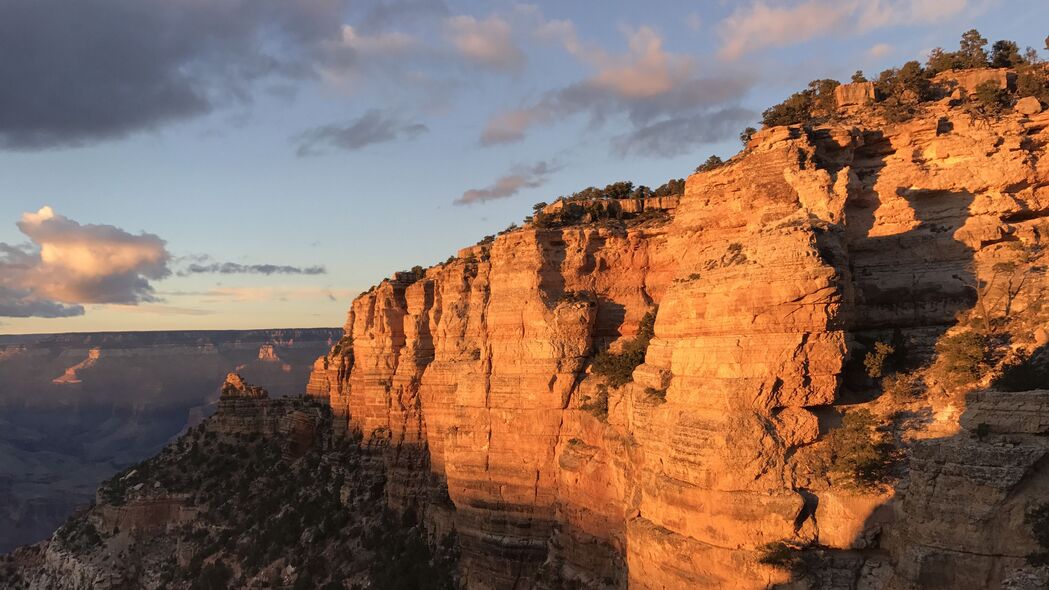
x=771, y=281
x=823, y=366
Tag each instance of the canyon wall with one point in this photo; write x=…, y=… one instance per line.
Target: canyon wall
x=769, y=281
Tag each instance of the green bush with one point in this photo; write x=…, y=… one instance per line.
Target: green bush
x=991, y=97
x=961, y=358
x=1032, y=81
x=795, y=110
x=876, y=360
x=618, y=368
x=861, y=455
x=746, y=135
x=711, y=163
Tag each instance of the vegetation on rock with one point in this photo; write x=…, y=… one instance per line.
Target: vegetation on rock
x=618, y=368
x=860, y=453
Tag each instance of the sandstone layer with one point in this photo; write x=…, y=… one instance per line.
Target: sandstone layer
x=770, y=281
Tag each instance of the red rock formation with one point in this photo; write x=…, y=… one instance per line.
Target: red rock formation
x=771, y=269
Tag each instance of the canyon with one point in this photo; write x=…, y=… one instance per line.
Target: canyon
x=77, y=408
x=486, y=408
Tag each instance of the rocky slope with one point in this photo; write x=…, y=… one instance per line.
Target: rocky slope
x=260, y=495
x=772, y=281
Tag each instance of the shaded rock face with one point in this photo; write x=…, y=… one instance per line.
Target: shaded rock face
x=773, y=271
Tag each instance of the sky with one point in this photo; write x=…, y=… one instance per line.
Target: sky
x=233, y=164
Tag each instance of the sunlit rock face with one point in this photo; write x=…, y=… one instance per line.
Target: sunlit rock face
x=768, y=274
x=77, y=408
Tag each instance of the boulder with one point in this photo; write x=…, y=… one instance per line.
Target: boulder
x=1028, y=105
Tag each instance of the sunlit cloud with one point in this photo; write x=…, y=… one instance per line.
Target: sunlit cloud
x=760, y=25
x=68, y=264
x=487, y=42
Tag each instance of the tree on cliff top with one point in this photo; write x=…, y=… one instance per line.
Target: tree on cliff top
x=711, y=163
x=1006, y=54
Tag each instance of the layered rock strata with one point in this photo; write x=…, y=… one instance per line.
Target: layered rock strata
x=772, y=274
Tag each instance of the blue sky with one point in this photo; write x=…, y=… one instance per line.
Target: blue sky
x=335, y=134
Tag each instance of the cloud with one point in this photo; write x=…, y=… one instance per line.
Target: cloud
x=269, y=294
x=230, y=268
x=370, y=128
x=678, y=135
x=760, y=25
x=879, y=50
x=69, y=264
x=486, y=42
x=694, y=21
x=646, y=84
x=508, y=185
x=385, y=13
x=19, y=303
x=383, y=43
x=107, y=68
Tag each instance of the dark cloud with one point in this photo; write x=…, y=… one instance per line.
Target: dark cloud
x=20, y=303
x=647, y=86
x=383, y=14
x=231, y=268
x=79, y=72
x=678, y=135
x=510, y=184
x=370, y=128
x=69, y=264
x=691, y=97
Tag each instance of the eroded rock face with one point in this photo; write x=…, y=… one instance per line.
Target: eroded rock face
x=772, y=271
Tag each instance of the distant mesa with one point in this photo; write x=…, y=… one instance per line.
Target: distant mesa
x=72, y=376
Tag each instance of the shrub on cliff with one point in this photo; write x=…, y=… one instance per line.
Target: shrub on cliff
x=1038, y=520
x=214, y=576
x=961, y=359
x=618, y=368
x=876, y=360
x=1026, y=373
x=795, y=110
x=710, y=164
x=861, y=455
x=1032, y=81
x=990, y=97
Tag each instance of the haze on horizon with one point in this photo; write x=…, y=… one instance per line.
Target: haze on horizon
x=257, y=163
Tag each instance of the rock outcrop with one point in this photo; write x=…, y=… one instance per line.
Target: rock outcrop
x=775, y=274
x=855, y=94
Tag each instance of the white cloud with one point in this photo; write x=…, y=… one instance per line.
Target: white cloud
x=761, y=25
x=487, y=42
x=73, y=264
x=879, y=50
